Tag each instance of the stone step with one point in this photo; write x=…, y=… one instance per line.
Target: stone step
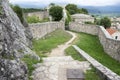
x=58, y=59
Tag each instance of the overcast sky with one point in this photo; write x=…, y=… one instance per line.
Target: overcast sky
x=79, y=2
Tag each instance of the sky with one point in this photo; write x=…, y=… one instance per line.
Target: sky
x=41, y=3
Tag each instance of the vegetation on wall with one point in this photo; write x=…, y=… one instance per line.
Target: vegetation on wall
x=73, y=9
x=35, y=19
x=56, y=12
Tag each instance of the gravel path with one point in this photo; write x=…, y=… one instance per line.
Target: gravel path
x=59, y=51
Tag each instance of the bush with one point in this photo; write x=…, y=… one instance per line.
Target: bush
x=56, y=12
x=35, y=19
x=106, y=22
x=73, y=9
x=88, y=22
x=32, y=19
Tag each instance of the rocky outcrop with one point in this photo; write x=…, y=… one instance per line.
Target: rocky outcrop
x=15, y=42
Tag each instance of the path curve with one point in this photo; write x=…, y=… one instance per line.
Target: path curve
x=59, y=51
x=54, y=66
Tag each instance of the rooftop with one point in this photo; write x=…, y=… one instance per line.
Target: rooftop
x=111, y=31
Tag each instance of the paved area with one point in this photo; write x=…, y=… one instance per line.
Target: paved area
x=55, y=66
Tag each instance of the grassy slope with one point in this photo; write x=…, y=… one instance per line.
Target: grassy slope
x=75, y=55
x=92, y=46
x=91, y=75
x=44, y=45
x=50, y=41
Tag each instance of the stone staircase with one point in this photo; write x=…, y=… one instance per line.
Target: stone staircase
x=54, y=68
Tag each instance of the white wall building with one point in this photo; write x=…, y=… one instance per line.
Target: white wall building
x=114, y=33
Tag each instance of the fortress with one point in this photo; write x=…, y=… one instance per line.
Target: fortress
x=111, y=46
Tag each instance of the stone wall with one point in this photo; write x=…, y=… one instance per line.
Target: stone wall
x=103, y=71
x=41, y=14
x=111, y=46
x=87, y=28
x=15, y=42
x=41, y=29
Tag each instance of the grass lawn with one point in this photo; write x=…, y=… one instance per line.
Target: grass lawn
x=92, y=46
x=92, y=75
x=50, y=41
x=70, y=51
x=45, y=45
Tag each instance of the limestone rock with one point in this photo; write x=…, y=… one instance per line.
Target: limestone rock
x=15, y=42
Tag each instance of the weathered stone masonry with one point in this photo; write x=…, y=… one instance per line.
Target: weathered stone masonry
x=15, y=42
x=41, y=29
x=111, y=46
x=86, y=28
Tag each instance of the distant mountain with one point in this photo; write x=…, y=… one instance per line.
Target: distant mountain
x=115, y=9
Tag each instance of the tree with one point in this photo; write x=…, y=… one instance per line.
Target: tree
x=106, y=22
x=56, y=12
x=84, y=11
x=52, y=4
x=72, y=8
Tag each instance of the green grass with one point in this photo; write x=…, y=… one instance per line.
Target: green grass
x=30, y=61
x=92, y=46
x=70, y=51
x=50, y=41
x=45, y=45
x=92, y=75
x=35, y=19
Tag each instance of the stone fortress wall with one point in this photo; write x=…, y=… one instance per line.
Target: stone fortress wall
x=41, y=14
x=110, y=45
x=86, y=28
x=39, y=30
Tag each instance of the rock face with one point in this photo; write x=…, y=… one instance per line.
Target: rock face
x=15, y=42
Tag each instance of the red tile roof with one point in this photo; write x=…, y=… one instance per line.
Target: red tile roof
x=111, y=31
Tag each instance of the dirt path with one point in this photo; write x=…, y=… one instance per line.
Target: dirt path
x=54, y=66
x=59, y=51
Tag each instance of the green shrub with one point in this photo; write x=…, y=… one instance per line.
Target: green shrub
x=88, y=22
x=56, y=12
x=106, y=22
x=33, y=19
x=29, y=61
